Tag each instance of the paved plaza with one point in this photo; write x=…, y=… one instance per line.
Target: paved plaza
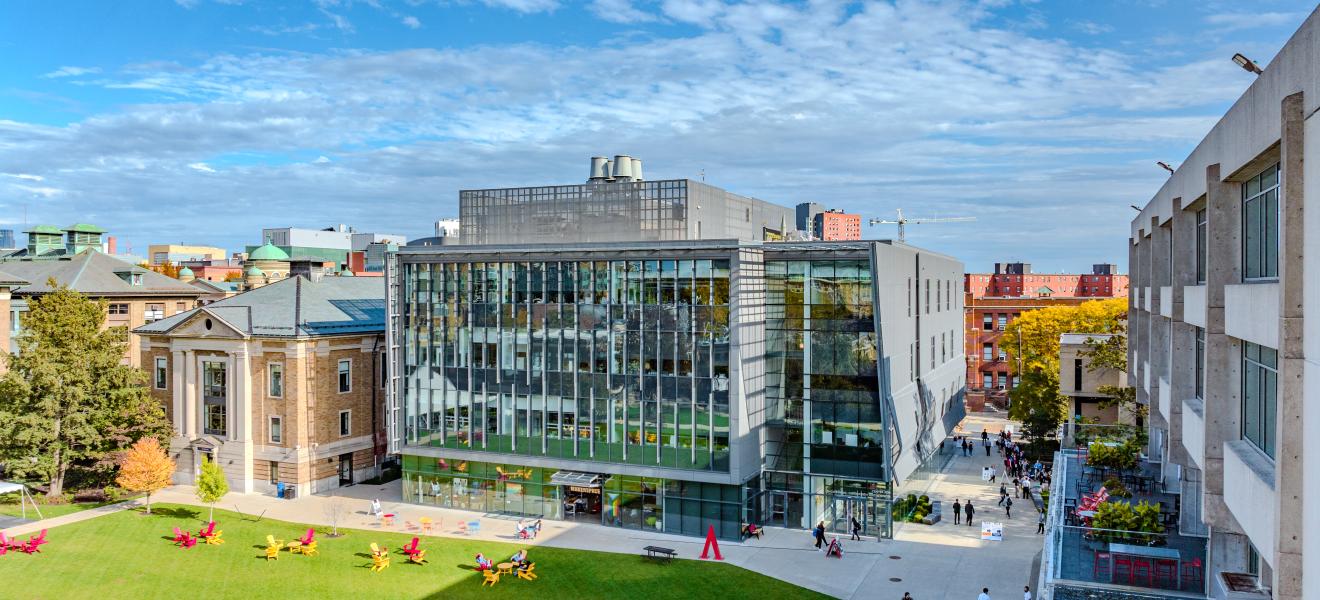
x=932, y=562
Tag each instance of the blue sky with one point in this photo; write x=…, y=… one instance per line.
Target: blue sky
x=202, y=121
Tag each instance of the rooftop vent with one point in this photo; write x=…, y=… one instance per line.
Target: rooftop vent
x=622, y=167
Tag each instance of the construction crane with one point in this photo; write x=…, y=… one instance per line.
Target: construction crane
x=903, y=221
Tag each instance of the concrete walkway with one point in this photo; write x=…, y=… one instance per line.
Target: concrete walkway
x=82, y=515
x=932, y=562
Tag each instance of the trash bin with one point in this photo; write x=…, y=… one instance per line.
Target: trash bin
x=279, y=489
x=290, y=492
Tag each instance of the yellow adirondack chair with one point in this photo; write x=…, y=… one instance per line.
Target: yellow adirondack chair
x=272, y=552
x=379, y=563
x=214, y=539
x=271, y=541
x=309, y=549
x=418, y=557
x=527, y=573
x=376, y=550
x=492, y=577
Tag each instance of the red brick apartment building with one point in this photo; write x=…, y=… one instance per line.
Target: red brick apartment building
x=993, y=300
x=834, y=224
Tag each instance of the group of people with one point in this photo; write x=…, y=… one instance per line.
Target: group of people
x=519, y=561
x=965, y=444
x=526, y=530
x=832, y=547
x=984, y=595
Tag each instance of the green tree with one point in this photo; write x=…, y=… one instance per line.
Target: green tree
x=211, y=485
x=67, y=401
x=1033, y=339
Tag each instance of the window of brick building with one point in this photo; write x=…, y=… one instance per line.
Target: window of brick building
x=345, y=423
x=345, y=376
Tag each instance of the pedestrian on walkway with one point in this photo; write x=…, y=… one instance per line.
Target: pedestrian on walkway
x=907, y=595
x=1008, y=507
x=1026, y=592
x=820, y=534
x=992, y=474
x=856, y=530
x=967, y=508
x=984, y=595
x=1040, y=524
x=957, y=512
x=1003, y=494
x=987, y=447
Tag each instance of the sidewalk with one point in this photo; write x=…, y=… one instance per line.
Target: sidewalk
x=91, y=513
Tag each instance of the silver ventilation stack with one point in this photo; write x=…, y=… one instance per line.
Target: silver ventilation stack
x=622, y=167
x=600, y=169
x=637, y=169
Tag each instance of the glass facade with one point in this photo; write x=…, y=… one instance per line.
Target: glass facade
x=621, y=361
x=1260, y=385
x=824, y=446
x=1260, y=225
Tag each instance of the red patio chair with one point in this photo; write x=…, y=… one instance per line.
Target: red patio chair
x=1141, y=570
x=4, y=544
x=411, y=548
x=34, y=543
x=208, y=532
x=187, y=542
x=1166, y=571
x=179, y=535
x=1193, y=571
x=1102, y=564
x=1122, y=563
x=309, y=538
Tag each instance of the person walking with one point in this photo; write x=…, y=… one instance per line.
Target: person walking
x=969, y=511
x=820, y=534
x=907, y=596
x=992, y=474
x=1008, y=507
x=984, y=595
x=1026, y=592
x=1040, y=523
x=987, y=447
x=957, y=512
x=856, y=530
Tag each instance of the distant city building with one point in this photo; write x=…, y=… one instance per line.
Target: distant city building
x=446, y=228
x=159, y=254
x=806, y=215
x=836, y=225
x=7, y=240
x=279, y=385
x=51, y=242
x=996, y=299
x=331, y=245
x=616, y=204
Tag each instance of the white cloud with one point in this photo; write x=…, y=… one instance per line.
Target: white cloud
x=320, y=160
x=1225, y=22
x=44, y=192
x=202, y=167
x=412, y=22
x=1092, y=28
x=24, y=176
x=524, y=6
x=619, y=11
x=71, y=72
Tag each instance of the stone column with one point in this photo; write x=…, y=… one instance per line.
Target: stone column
x=1182, y=365
x=177, y=391
x=1223, y=361
x=1140, y=321
x=1161, y=239
x=191, y=394
x=242, y=405
x=5, y=334
x=1289, y=475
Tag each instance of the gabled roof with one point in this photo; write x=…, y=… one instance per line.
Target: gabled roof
x=11, y=280
x=96, y=275
x=46, y=229
x=295, y=307
x=84, y=228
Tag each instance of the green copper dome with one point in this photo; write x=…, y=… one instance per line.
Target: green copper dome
x=268, y=252
x=346, y=273
x=253, y=271
x=185, y=272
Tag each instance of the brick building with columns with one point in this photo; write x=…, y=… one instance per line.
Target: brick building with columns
x=281, y=384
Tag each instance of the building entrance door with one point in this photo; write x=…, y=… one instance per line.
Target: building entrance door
x=346, y=469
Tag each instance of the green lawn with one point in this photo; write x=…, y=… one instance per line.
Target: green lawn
x=11, y=507
x=129, y=555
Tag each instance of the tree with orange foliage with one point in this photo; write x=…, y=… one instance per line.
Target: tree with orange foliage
x=145, y=468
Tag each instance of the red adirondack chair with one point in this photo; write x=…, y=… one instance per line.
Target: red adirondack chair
x=4, y=544
x=309, y=538
x=411, y=548
x=34, y=542
x=188, y=542
x=179, y=535
x=208, y=532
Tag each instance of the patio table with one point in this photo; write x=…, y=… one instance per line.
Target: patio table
x=1164, y=553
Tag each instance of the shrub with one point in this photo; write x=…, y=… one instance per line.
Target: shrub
x=1116, y=488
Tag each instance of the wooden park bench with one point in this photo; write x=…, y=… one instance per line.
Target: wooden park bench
x=667, y=554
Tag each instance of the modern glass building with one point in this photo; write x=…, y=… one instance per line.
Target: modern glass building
x=672, y=385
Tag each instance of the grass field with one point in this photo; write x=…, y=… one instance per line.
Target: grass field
x=11, y=507
x=129, y=555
